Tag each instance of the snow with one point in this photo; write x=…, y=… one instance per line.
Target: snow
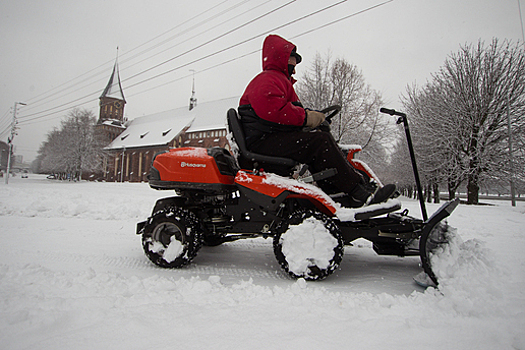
x=348, y=214
x=169, y=254
x=304, y=241
x=191, y=152
x=299, y=187
x=73, y=276
x=175, y=248
x=296, y=186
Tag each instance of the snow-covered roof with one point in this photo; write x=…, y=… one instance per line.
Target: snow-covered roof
x=154, y=130
x=113, y=122
x=160, y=128
x=212, y=115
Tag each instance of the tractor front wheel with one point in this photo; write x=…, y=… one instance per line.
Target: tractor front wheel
x=308, y=245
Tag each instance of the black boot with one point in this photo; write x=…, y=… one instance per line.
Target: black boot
x=360, y=196
x=383, y=194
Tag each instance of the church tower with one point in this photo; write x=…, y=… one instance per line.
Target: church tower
x=111, y=116
x=112, y=100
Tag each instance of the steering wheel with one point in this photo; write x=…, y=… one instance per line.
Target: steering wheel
x=325, y=125
x=334, y=109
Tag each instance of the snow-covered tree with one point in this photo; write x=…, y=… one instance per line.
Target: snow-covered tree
x=73, y=148
x=460, y=116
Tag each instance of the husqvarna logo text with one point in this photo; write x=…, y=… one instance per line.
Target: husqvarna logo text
x=192, y=165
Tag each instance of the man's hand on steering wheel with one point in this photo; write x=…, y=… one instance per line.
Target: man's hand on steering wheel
x=317, y=119
x=314, y=119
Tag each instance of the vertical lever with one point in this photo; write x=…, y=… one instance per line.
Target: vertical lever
x=403, y=119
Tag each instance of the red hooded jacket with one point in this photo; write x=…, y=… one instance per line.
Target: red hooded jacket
x=271, y=93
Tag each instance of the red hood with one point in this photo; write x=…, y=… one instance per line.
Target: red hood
x=276, y=52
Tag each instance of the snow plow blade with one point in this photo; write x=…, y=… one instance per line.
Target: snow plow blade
x=435, y=234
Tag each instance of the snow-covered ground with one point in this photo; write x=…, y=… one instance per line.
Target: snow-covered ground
x=73, y=276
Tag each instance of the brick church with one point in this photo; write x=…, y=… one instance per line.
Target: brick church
x=132, y=144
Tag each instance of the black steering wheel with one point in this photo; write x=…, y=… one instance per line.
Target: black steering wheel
x=334, y=109
x=325, y=125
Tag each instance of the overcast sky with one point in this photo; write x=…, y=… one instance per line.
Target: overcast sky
x=58, y=54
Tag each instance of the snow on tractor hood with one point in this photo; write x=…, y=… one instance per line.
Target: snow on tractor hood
x=283, y=183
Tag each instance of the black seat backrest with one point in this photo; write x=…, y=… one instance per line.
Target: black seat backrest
x=272, y=164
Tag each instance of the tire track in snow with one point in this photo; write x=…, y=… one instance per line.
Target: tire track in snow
x=223, y=260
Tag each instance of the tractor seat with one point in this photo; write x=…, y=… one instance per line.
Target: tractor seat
x=250, y=160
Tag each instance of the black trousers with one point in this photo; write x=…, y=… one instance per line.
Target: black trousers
x=317, y=149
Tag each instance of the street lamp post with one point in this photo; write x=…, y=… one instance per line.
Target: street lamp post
x=122, y=166
x=10, y=141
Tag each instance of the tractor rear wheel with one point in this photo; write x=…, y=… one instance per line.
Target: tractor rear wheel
x=172, y=237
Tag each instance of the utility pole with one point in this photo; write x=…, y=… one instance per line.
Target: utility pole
x=521, y=21
x=10, y=141
x=511, y=159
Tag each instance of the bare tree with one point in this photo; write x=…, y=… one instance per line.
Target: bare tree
x=462, y=113
x=339, y=82
x=436, y=138
x=314, y=87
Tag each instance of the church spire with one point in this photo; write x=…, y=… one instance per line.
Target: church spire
x=193, y=99
x=114, y=88
x=112, y=100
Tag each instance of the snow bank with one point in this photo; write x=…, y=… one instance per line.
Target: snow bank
x=469, y=275
x=54, y=198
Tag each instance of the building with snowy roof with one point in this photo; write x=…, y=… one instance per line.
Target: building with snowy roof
x=131, y=145
x=132, y=151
